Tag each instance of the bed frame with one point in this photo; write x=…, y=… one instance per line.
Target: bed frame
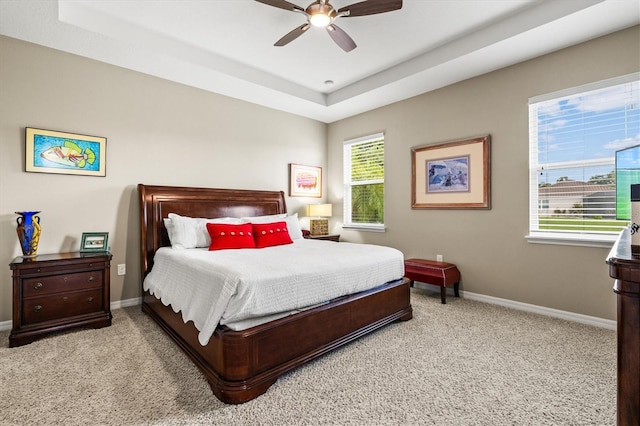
x=241, y=365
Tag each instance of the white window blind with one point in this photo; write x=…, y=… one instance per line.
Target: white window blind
x=574, y=137
x=364, y=182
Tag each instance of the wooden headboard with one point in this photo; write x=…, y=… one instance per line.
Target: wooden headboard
x=156, y=202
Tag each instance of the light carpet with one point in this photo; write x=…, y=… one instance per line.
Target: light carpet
x=463, y=363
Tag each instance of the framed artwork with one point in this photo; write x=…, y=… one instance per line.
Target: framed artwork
x=452, y=175
x=94, y=242
x=305, y=181
x=49, y=151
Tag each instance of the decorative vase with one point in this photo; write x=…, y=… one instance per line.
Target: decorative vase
x=28, y=232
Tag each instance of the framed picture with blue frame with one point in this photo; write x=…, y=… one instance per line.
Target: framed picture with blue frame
x=50, y=151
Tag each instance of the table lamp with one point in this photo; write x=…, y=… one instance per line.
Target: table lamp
x=319, y=222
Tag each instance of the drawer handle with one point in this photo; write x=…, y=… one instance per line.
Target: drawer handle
x=37, y=286
x=89, y=300
x=91, y=278
x=37, y=308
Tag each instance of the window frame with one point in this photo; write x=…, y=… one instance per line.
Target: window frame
x=588, y=239
x=348, y=184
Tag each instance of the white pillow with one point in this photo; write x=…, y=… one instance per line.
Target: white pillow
x=169, y=226
x=191, y=232
x=270, y=218
x=293, y=225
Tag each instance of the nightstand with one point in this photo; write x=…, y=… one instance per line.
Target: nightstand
x=55, y=292
x=335, y=237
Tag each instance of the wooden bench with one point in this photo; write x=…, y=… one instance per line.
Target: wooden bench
x=433, y=272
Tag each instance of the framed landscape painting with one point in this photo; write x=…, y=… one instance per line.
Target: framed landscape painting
x=452, y=175
x=49, y=151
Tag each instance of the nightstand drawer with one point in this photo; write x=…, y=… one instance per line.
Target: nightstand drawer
x=33, y=287
x=335, y=237
x=52, y=269
x=47, y=308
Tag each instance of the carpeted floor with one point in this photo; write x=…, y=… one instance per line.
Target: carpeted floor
x=463, y=363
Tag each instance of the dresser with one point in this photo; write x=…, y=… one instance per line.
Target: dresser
x=625, y=269
x=55, y=292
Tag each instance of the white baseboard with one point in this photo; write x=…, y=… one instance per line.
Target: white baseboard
x=556, y=313
x=6, y=325
x=542, y=310
x=126, y=303
x=536, y=309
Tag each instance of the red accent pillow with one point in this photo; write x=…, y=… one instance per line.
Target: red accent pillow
x=271, y=234
x=227, y=236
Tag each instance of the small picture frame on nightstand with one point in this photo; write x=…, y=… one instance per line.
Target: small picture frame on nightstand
x=94, y=242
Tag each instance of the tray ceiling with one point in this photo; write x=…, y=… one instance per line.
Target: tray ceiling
x=226, y=46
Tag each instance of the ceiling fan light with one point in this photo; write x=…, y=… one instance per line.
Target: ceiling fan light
x=320, y=20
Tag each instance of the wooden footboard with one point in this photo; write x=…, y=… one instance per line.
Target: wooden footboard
x=241, y=365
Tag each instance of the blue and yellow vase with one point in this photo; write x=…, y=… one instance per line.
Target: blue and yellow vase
x=28, y=232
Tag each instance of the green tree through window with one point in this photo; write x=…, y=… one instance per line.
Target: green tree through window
x=364, y=181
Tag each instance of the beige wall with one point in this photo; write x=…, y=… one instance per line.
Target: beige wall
x=165, y=133
x=157, y=132
x=489, y=246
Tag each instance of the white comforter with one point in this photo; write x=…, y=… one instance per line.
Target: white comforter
x=235, y=287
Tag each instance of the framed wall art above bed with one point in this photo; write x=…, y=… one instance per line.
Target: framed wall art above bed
x=305, y=181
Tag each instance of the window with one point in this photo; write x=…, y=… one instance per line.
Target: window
x=364, y=183
x=574, y=136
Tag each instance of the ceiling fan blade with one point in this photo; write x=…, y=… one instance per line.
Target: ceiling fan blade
x=282, y=4
x=288, y=38
x=341, y=38
x=370, y=7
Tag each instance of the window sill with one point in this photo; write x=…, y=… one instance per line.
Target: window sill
x=368, y=228
x=600, y=241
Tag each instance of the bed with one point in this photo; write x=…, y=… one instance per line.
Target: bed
x=240, y=365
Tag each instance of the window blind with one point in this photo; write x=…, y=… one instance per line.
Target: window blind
x=364, y=182
x=574, y=137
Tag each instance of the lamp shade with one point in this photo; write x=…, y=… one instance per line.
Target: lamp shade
x=320, y=210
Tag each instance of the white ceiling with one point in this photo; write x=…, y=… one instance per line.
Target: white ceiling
x=226, y=46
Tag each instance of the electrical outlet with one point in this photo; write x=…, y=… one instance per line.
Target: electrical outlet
x=122, y=269
x=439, y=258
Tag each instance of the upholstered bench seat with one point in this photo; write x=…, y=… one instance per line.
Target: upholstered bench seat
x=442, y=274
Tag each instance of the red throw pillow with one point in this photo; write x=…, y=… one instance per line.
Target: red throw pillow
x=226, y=236
x=271, y=234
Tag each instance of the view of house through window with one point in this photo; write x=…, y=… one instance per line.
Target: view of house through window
x=582, y=160
x=364, y=182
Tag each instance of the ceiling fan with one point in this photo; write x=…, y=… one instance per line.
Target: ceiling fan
x=320, y=13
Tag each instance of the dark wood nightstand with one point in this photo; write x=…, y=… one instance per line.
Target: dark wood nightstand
x=335, y=237
x=54, y=292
